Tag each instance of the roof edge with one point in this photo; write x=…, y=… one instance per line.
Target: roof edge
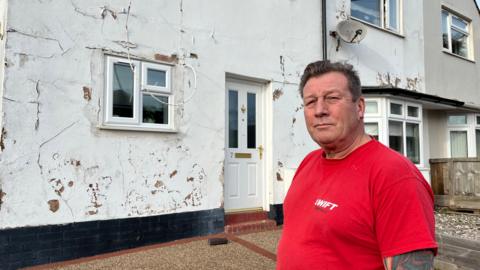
x=394, y=91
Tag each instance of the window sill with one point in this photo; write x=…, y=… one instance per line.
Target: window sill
x=137, y=128
x=379, y=28
x=458, y=56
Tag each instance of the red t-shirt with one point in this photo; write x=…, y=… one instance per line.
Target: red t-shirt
x=352, y=212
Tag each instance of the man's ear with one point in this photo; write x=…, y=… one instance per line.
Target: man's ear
x=361, y=107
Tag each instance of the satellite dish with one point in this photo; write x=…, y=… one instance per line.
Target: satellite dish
x=351, y=31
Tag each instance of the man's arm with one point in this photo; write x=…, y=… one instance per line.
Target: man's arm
x=415, y=260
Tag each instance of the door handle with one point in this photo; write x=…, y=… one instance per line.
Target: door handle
x=260, y=151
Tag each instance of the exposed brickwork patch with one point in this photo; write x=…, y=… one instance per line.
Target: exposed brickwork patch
x=54, y=205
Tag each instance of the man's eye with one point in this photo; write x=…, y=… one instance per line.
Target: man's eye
x=309, y=102
x=332, y=98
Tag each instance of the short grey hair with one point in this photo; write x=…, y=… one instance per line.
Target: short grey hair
x=318, y=68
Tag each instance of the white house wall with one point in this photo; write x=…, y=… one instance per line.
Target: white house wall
x=3, y=19
x=383, y=58
x=57, y=166
x=448, y=75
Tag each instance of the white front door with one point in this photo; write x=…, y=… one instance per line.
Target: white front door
x=244, y=152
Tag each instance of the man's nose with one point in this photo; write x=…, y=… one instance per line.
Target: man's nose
x=321, y=108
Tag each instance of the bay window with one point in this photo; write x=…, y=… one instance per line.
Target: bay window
x=404, y=129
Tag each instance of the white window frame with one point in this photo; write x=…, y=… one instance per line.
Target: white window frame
x=109, y=118
x=385, y=16
x=468, y=33
x=396, y=116
x=404, y=119
x=379, y=107
x=470, y=126
x=419, y=108
x=466, y=129
x=145, y=86
x=140, y=88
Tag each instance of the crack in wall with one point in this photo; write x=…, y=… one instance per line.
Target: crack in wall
x=78, y=10
x=37, y=123
x=47, y=141
x=11, y=30
x=35, y=56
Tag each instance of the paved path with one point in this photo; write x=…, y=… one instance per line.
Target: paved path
x=246, y=251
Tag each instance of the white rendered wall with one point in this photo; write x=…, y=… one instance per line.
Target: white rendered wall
x=383, y=58
x=59, y=167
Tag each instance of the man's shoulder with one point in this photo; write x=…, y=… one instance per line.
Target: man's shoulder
x=385, y=155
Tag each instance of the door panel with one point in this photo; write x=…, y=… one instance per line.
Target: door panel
x=243, y=164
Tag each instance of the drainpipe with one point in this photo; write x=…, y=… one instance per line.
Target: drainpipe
x=324, y=28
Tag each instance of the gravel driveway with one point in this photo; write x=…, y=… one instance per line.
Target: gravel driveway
x=461, y=225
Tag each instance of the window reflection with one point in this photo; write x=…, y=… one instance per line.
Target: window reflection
x=155, y=110
x=251, y=120
x=232, y=119
x=122, y=90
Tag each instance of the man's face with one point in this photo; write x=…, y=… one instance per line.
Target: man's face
x=333, y=119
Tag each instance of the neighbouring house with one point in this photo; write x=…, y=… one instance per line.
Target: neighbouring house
x=127, y=123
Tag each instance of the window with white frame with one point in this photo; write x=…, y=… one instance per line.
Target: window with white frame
x=373, y=118
x=382, y=13
x=458, y=135
x=455, y=34
x=138, y=95
x=404, y=121
x=477, y=134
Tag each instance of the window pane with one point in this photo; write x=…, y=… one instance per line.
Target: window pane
x=251, y=120
x=155, y=109
x=477, y=140
x=459, y=43
x=372, y=130
x=478, y=120
x=366, y=10
x=459, y=23
x=445, y=29
x=232, y=119
x=395, y=136
x=156, y=77
x=396, y=108
x=122, y=90
x=412, y=111
x=371, y=107
x=457, y=119
x=458, y=143
x=392, y=14
x=413, y=142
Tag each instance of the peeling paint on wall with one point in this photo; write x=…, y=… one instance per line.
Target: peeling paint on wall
x=172, y=174
x=3, y=135
x=87, y=93
x=412, y=83
x=54, y=205
x=277, y=94
x=388, y=80
x=2, y=195
x=166, y=58
x=279, y=177
x=105, y=11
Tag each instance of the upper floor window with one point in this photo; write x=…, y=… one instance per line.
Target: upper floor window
x=138, y=95
x=455, y=34
x=382, y=13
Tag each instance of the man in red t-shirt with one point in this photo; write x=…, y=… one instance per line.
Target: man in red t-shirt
x=354, y=203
